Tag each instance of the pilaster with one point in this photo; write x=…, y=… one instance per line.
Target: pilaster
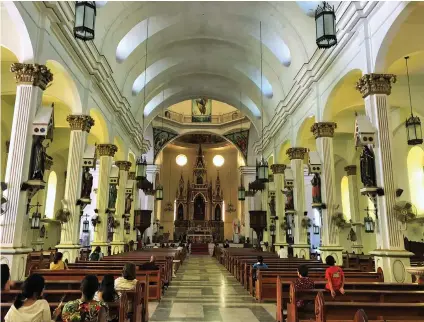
x=248, y=174
x=31, y=80
x=354, y=207
x=105, y=153
x=135, y=205
x=280, y=235
x=296, y=156
x=69, y=239
x=149, y=201
x=323, y=133
x=118, y=237
x=391, y=256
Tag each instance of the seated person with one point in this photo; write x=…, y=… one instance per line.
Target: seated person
x=128, y=279
x=303, y=283
x=150, y=265
x=107, y=293
x=6, y=283
x=226, y=244
x=334, y=276
x=259, y=264
x=86, y=309
x=58, y=263
x=96, y=255
x=180, y=246
x=283, y=252
x=29, y=305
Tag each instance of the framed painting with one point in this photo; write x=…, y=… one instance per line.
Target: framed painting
x=201, y=110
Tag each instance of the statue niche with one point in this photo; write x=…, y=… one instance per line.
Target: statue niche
x=316, y=189
x=113, y=193
x=218, y=213
x=38, y=158
x=367, y=163
x=199, y=208
x=87, y=183
x=180, y=212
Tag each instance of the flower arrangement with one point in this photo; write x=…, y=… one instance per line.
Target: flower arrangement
x=306, y=222
x=338, y=220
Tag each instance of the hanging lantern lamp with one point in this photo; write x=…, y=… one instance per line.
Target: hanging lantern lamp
x=85, y=20
x=159, y=192
x=316, y=229
x=85, y=225
x=325, y=23
x=262, y=170
x=35, y=220
x=141, y=168
x=414, y=131
x=241, y=193
x=369, y=224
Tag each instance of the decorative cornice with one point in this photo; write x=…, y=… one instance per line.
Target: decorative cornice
x=80, y=122
x=296, y=153
x=123, y=165
x=131, y=175
x=278, y=168
x=106, y=150
x=350, y=170
x=370, y=84
x=48, y=163
x=323, y=129
x=34, y=74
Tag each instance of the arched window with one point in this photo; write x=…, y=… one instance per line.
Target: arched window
x=345, y=198
x=415, y=163
x=51, y=195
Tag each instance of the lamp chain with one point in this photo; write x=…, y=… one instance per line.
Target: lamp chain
x=409, y=87
x=145, y=73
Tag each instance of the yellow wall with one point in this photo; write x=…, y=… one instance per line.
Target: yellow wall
x=217, y=108
x=171, y=175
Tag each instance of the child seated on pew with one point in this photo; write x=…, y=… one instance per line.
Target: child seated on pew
x=334, y=276
x=58, y=263
x=303, y=282
x=107, y=293
x=29, y=305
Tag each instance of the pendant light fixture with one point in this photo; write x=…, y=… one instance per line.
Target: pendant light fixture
x=85, y=20
x=325, y=24
x=262, y=165
x=230, y=207
x=141, y=164
x=36, y=217
x=413, y=123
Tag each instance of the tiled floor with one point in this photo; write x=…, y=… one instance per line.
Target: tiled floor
x=204, y=291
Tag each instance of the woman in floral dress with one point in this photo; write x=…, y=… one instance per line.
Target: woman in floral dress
x=86, y=309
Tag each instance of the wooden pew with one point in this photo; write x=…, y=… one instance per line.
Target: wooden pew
x=76, y=274
x=266, y=283
x=363, y=262
x=294, y=314
x=39, y=259
x=326, y=311
x=284, y=290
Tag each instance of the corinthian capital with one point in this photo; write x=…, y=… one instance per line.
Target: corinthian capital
x=370, y=84
x=323, y=129
x=106, y=150
x=278, y=168
x=123, y=165
x=131, y=175
x=34, y=74
x=296, y=153
x=80, y=122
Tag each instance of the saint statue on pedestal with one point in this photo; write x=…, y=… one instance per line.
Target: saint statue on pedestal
x=367, y=163
x=128, y=202
x=38, y=157
x=112, y=196
x=289, y=199
x=87, y=183
x=316, y=189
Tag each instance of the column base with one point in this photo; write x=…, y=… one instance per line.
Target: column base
x=70, y=252
x=394, y=264
x=103, y=246
x=16, y=258
x=38, y=245
x=301, y=251
x=279, y=245
x=117, y=247
x=335, y=251
x=358, y=249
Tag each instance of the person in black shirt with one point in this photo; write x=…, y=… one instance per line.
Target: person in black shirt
x=149, y=266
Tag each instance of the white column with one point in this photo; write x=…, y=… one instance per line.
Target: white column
x=118, y=237
x=135, y=205
x=265, y=206
x=323, y=133
x=151, y=172
x=248, y=174
x=32, y=80
x=391, y=255
x=296, y=156
x=70, y=232
x=105, y=152
x=280, y=235
x=354, y=207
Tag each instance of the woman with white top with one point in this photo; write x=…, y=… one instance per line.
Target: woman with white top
x=28, y=306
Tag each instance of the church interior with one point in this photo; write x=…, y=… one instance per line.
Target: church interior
x=210, y=138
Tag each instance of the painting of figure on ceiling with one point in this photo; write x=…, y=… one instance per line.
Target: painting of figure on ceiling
x=201, y=110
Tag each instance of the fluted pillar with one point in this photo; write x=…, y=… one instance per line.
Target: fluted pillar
x=118, y=237
x=323, y=133
x=135, y=205
x=265, y=206
x=69, y=237
x=354, y=207
x=149, y=201
x=280, y=234
x=31, y=80
x=248, y=174
x=296, y=156
x=390, y=255
x=105, y=152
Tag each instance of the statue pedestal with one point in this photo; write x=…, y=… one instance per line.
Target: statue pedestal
x=236, y=238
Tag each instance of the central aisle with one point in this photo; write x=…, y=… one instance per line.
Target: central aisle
x=204, y=291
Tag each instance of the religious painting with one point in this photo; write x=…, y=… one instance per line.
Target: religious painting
x=241, y=140
x=201, y=110
x=160, y=138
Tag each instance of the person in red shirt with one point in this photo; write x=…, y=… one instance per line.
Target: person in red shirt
x=334, y=276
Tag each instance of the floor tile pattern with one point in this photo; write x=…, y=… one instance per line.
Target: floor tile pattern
x=204, y=291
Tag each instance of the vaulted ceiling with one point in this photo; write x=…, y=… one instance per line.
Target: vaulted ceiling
x=205, y=49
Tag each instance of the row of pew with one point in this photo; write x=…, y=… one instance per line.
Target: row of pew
x=148, y=288
x=367, y=295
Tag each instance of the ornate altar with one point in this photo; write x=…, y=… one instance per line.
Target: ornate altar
x=199, y=206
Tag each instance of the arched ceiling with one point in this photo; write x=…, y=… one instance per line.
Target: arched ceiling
x=204, y=48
